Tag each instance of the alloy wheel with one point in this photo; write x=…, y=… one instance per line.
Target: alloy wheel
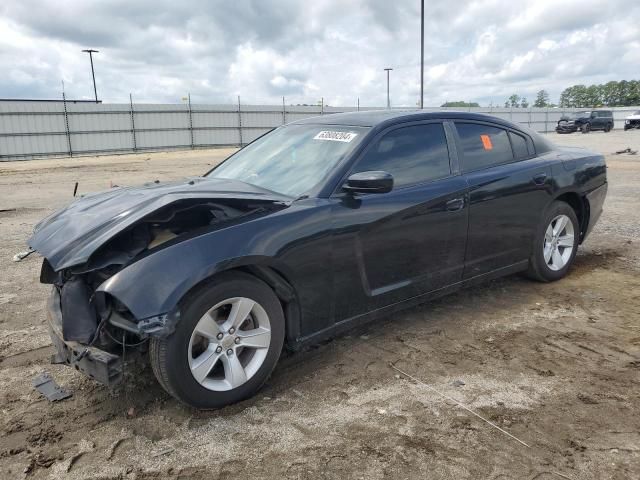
x=229, y=344
x=558, y=242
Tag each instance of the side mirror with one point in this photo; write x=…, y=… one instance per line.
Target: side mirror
x=369, y=182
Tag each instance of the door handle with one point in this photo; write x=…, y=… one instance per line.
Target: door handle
x=455, y=204
x=540, y=178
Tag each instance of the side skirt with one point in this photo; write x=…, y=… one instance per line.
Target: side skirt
x=354, y=322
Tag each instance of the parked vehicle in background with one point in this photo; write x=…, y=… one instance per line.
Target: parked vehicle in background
x=586, y=121
x=313, y=228
x=632, y=121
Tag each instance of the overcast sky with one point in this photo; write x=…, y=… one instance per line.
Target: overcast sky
x=160, y=50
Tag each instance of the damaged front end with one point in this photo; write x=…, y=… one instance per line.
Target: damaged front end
x=91, y=329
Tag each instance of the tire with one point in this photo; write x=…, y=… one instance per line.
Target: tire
x=586, y=128
x=548, y=268
x=608, y=128
x=229, y=369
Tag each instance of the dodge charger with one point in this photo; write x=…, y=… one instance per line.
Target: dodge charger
x=319, y=225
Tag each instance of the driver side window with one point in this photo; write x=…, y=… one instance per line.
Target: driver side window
x=413, y=155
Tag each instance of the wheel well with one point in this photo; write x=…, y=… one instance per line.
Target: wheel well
x=281, y=287
x=580, y=206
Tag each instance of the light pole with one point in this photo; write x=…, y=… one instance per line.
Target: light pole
x=422, y=54
x=388, y=100
x=90, y=51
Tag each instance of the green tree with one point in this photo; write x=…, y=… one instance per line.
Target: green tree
x=542, y=99
x=524, y=103
x=460, y=103
x=592, y=96
x=513, y=101
x=609, y=93
x=634, y=92
x=612, y=94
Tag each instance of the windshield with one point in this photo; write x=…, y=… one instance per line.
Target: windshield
x=291, y=160
x=575, y=115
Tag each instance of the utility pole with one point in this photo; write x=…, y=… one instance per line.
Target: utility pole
x=421, y=54
x=388, y=99
x=90, y=51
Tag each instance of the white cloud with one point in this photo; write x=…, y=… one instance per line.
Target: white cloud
x=262, y=50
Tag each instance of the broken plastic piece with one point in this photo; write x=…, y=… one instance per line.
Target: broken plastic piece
x=21, y=255
x=47, y=386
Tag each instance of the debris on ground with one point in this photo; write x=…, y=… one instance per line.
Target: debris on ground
x=627, y=151
x=22, y=255
x=458, y=383
x=164, y=451
x=47, y=386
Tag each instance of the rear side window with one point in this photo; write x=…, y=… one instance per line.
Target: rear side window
x=412, y=155
x=519, y=145
x=483, y=146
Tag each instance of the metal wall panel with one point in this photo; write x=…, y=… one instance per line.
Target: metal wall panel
x=99, y=122
x=32, y=129
x=28, y=146
x=216, y=137
x=163, y=139
x=209, y=119
x=101, y=142
x=155, y=121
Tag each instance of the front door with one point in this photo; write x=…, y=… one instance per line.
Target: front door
x=393, y=246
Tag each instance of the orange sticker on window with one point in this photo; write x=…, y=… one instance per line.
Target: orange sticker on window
x=486, y=142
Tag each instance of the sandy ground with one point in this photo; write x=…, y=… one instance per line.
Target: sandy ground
x=556, y=365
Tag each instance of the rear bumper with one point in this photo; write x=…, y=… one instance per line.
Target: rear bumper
x=596, y=201
x=102, y=366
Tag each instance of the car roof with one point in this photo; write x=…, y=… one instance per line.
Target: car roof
x=381, y=118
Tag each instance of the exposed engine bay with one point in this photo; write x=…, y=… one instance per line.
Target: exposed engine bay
x=87, y=316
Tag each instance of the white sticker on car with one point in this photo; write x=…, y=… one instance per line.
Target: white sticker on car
x=335, y=136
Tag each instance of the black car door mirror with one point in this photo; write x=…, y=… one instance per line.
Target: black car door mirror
x=369, y=182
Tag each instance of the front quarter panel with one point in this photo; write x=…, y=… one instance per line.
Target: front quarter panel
x=294, y=241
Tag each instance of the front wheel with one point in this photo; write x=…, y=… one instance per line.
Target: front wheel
x=586, y=128
x=556, y=243
x=226, y=345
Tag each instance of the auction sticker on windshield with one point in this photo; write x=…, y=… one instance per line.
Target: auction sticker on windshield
x=335, y=136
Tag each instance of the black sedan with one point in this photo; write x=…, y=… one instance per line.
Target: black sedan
x=313, y=228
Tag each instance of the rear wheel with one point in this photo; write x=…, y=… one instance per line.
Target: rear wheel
x=556, y=243
x=226, y=344
x=608, y=128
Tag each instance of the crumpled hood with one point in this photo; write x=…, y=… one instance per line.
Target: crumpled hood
x=69, y=236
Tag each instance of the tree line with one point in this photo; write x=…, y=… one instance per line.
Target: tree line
x=624, y=93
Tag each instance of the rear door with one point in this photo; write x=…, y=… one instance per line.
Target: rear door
x=508, y=189
x=393, y=246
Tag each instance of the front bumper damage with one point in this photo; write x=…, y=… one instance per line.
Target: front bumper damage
x=98, y=364
x=631, y=123
x=566, y=127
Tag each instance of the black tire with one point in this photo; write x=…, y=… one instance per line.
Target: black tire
x=169, y=356
x=586, y=128
x=608, y=128
x=538, y=268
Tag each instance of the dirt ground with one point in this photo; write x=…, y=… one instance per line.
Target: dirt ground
x=556, y=365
